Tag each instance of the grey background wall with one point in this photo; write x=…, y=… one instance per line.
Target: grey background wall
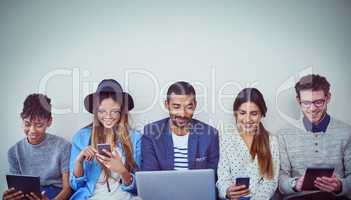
x=65, y=48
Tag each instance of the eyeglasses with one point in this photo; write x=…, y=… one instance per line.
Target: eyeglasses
x=317, y=103
x=112, y=113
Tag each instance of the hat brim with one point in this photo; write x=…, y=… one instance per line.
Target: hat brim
x=91, y=99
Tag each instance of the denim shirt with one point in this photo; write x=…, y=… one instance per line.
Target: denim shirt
x=84, y=186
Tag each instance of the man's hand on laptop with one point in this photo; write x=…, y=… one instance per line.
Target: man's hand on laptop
x=328, y=184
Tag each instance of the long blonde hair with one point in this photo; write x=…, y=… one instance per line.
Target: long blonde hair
x=118, y=134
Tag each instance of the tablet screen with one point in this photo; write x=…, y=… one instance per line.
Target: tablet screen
x=311, y=175
x=26, y=184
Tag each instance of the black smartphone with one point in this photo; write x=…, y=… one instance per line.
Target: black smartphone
x=243, y=181
x=100, y=148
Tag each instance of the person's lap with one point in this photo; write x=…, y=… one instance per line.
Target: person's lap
x=51, y=191
x=315, y=196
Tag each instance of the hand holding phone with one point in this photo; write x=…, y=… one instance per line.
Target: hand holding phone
x=239, y=189
x=101, y=147
x=243, y=181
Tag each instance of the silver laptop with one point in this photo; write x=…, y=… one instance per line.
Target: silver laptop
x=176, y=185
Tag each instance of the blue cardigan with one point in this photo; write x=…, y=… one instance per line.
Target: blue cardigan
x=84, y=186
x=157, y=146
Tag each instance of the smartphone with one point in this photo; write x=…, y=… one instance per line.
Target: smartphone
x=243, y=181
x=100, y=148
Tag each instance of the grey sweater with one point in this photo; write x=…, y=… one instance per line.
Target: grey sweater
x=300, y=149
x=49, y=159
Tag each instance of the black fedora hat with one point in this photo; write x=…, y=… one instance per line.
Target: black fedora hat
x=108, y=86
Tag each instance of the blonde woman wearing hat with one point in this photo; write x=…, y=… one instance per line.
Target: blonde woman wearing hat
x=95, y=175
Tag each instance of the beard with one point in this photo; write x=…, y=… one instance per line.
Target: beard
x=315, y=117
x=180, y=122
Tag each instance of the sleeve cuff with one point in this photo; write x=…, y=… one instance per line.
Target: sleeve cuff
x=64, y=170
x=344, y=188
x=222, y=190
x=80, y=179
x=285, y=186
x=77, y=182
x=131, y=186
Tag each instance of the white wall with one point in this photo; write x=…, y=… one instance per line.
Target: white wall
x=219, y=46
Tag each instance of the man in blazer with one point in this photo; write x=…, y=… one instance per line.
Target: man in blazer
x=179, y=142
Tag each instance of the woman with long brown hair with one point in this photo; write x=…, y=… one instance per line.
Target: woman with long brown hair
x=250, y=152
x=105, y=174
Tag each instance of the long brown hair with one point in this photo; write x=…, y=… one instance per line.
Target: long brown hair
x=118, y=134
x=260, y=146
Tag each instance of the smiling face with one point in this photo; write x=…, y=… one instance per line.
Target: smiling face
x=35, y=129
x=109, y=112
x=181, y=109
x=313, y=104
x=248, y=117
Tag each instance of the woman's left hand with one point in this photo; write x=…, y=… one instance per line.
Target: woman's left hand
x=112, y=161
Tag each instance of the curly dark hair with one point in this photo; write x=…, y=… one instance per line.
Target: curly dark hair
x=36, y=106
x=312, y=82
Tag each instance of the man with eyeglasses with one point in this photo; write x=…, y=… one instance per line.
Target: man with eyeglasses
x=319, y=140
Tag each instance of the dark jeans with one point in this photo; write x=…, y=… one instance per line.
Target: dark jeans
x=51, y=191
x=316, y=196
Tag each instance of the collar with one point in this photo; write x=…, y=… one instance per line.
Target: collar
x=320, y=127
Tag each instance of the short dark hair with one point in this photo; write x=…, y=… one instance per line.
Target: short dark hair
x=312, y=82
x=180, y=88
x=36, y=106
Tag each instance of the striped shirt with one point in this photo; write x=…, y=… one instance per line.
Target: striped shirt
x=180, y=149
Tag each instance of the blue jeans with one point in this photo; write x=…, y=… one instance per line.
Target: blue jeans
x=51, y=191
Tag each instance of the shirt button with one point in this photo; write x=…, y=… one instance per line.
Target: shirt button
x=316, y=151
x=316, y=143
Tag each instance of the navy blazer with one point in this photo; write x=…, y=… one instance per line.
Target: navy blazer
x=157, y=146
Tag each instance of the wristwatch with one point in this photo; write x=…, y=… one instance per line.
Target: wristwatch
x=131, y=180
